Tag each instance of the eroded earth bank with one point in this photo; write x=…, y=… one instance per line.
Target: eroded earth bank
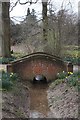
x=40, y=101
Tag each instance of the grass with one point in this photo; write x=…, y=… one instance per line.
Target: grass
x=56, y=82
x=72, y=80
x=18, y=55
x=71, y=53
x=71, y=50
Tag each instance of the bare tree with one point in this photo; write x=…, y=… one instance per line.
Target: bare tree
x=79, y=23
x=45, y=20
x=5, y=46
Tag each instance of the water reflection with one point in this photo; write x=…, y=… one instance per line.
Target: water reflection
x=38, y=99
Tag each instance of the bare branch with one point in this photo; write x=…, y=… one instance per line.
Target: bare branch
x=69, y=3
x=14, y=5
x=28, y=1
x=23, y=3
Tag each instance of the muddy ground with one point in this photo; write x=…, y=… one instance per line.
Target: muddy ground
x=15, y=102
x=62, y=102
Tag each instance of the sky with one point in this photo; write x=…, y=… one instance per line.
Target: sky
x=20, y=11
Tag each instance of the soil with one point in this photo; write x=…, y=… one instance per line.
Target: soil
x=59, y=102
x=63, y=101
x=15, y=102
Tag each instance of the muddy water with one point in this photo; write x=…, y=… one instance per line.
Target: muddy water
x=38, y=100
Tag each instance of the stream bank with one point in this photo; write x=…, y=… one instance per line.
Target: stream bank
x=40, y=101
x=15, y=102
x=63, y=101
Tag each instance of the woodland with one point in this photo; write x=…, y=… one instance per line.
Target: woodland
x=56, y=32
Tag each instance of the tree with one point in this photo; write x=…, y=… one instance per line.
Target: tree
x=79, y=23
x=44, y=16
x=28, y=24
x=28, y=11
x=5, y=46
x=58, y=28
x=15, y=35
x=45, y=20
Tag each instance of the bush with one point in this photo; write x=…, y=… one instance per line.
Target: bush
x=71, y=79
x=6, y=84
x=7, y=80
x=61, y=75
x=74, y=79
x=6, y=60
x=74, y=60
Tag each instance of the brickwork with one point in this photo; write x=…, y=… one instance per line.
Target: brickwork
x=39, y=63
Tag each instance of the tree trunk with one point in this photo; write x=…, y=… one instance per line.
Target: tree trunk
x=5, y=29
x=79, y=23
x=59, y=42
x=1, y=33
x=45, y=23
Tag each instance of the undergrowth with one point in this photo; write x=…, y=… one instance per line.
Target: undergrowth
x=73, y=60
x=7, y=80
x=71, y=79
x=4, y=60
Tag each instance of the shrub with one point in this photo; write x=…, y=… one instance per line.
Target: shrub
x=74, y=60
x=71, y=79
x=6, y=84
x=6, y=60
x=74, y=79
x=61, y=75
x=7, y=80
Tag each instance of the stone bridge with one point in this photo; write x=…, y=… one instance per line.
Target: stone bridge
x=38, y=63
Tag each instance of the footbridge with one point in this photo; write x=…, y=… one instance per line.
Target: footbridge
x=38, y=63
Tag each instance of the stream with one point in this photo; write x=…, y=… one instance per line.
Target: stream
x=38, y=101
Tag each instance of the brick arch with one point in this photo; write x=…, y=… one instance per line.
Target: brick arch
x=37, y=63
